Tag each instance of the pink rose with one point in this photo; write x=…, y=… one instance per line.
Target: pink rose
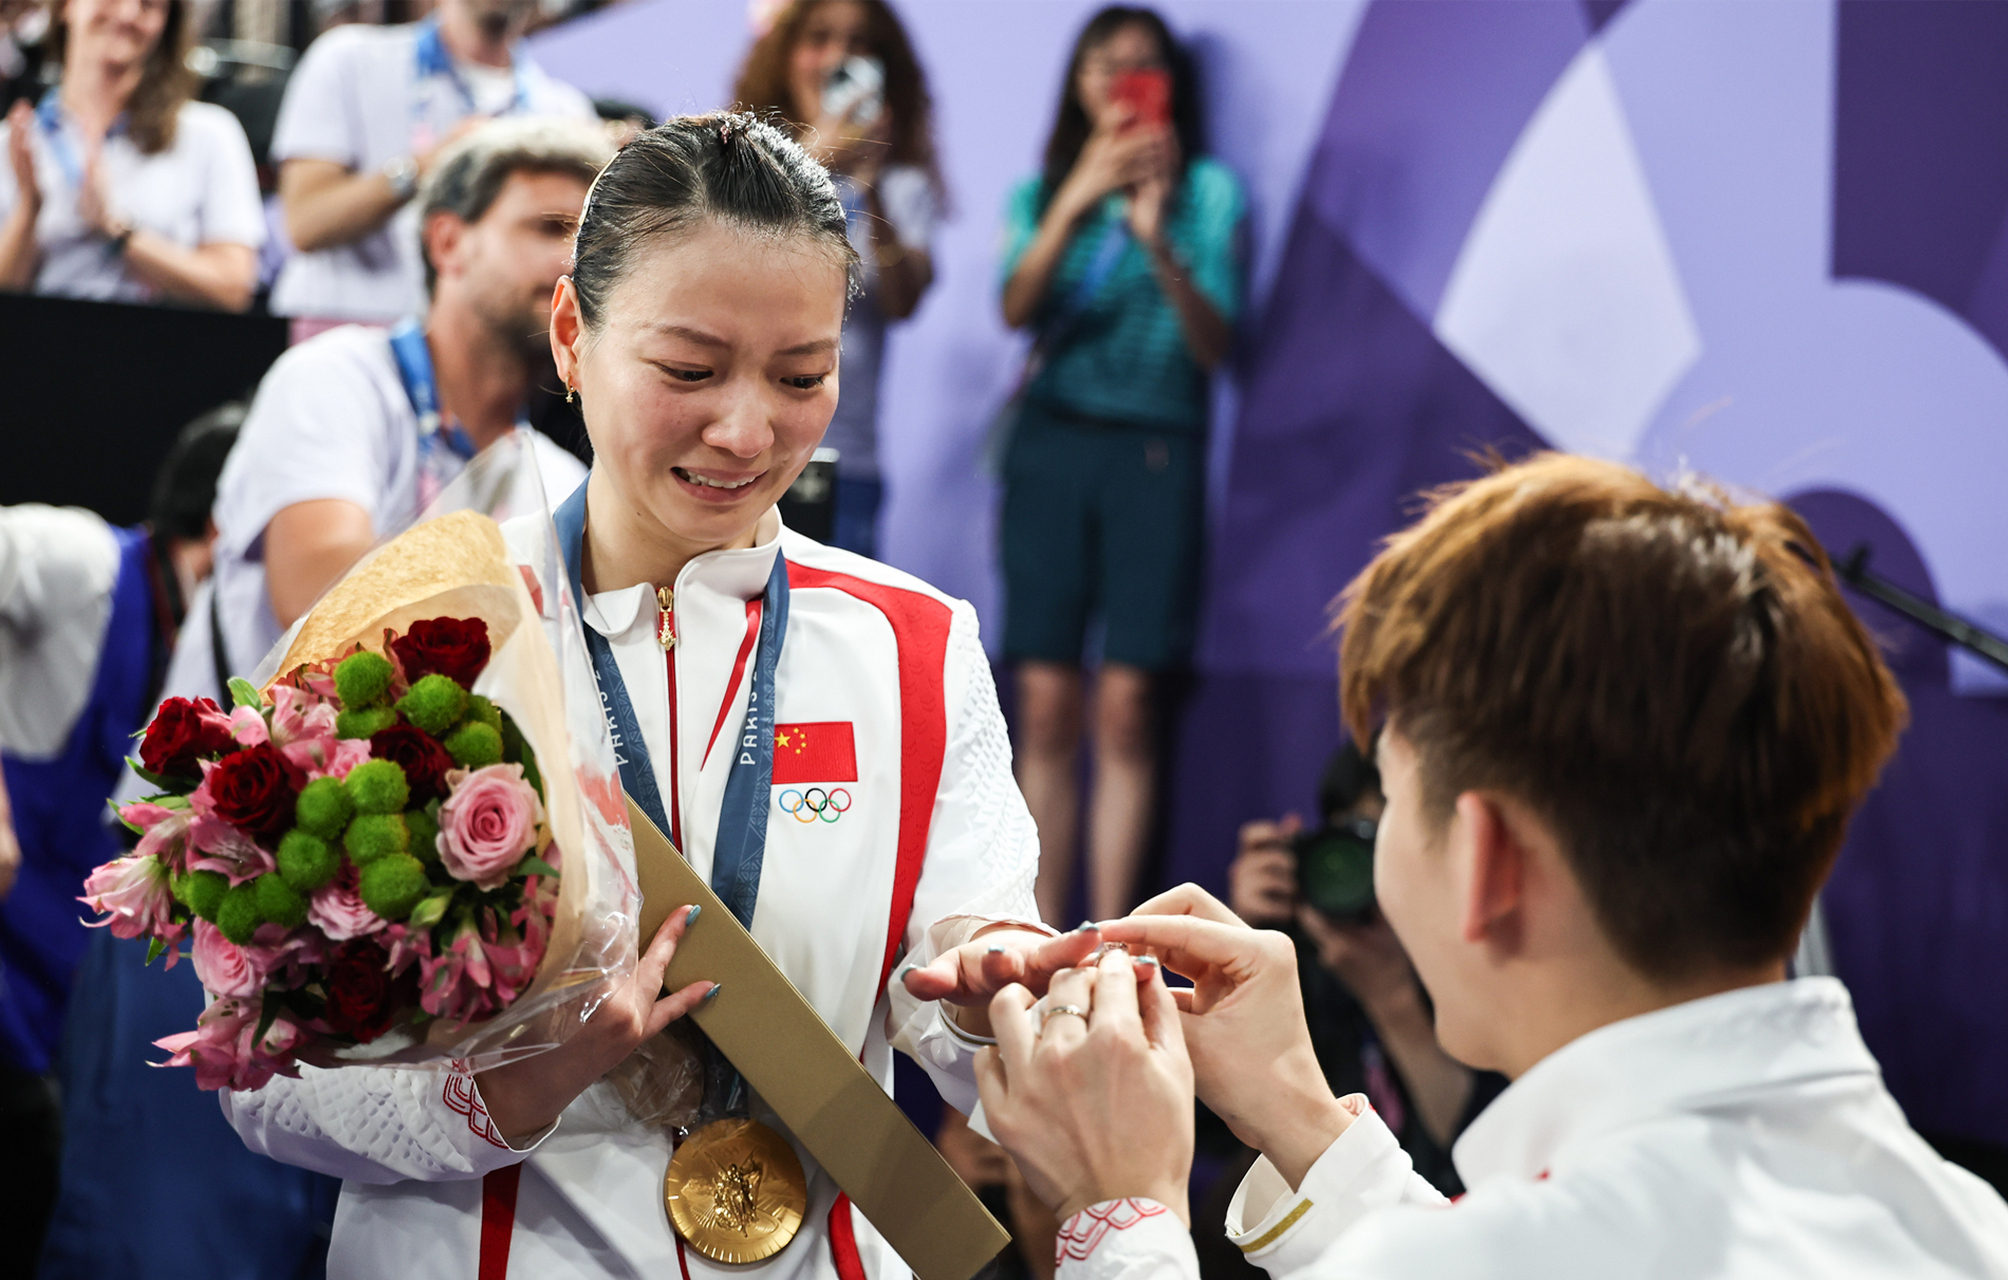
x=337, y=909
x=489, y=821
x=223, y=967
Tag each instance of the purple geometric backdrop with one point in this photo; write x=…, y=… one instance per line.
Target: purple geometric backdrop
x=1768, y=243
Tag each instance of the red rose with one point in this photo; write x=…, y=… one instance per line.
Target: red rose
x=255, y=790
x=421, y=757
x=453, y=647
x=363, y=998
x=182, y=733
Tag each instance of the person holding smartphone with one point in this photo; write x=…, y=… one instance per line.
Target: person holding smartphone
x=843, y=74
x=1123, y=260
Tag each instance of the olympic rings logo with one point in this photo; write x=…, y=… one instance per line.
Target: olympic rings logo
x=815, y=804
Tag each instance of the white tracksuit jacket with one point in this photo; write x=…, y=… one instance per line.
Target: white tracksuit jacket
x=1744, y=1136
x=935, y=842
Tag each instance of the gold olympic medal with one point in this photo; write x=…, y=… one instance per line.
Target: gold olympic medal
x=735, y=1191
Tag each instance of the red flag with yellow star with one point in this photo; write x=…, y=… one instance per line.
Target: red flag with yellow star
x=820, y=751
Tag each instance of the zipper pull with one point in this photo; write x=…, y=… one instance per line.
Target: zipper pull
x=665, y=633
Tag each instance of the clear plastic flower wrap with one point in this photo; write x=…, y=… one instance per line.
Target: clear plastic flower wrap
x=362, y=850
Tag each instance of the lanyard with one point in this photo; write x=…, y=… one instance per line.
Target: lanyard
x=741, y=846
x=437, y=466
x=434, y=60
x=49, y=111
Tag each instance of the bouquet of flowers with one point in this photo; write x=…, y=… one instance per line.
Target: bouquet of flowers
x=365, y=854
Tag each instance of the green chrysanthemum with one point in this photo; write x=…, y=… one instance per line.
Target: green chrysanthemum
x=364, y=722
x=306, y=860
x=392, y=886
x=280, y=902
x=206, y=891
x=434, y=704
x=474, y=745
x=424, y=830
x=374, y=836
x=238, y=915
x=362, y=678
x=324, y=808
x=378, y=786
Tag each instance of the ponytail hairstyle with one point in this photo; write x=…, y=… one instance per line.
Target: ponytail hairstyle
x=732, y=167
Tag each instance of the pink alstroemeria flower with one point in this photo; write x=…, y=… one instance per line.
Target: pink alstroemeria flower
x=163, y=831
x=298, y=716
x=228, y=1053
x=327, y=757
x=133, y=894
x=247, y=725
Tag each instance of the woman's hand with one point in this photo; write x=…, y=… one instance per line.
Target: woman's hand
x=1117, y=156
x=94, y=206
x=968, y=976
x=1090, y=1089
x=1244, y=1024
x=21, y=153
x=526, y=1097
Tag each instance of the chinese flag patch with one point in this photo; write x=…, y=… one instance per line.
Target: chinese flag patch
x=824, y=751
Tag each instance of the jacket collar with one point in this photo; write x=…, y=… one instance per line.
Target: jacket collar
x=739, y=571
x=1732, y=1049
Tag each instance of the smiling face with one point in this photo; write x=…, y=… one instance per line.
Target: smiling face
x=121, y=32
x=709, y=380
x=833, y=31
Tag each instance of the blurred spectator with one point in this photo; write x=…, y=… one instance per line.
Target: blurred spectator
x=368, y=113
x=1370, y=1019
x=844, y=72
x=622, y=120
x=88, y=613
x=1122, y=258
x=24, y=26
x=355, y=431
x=119, y=186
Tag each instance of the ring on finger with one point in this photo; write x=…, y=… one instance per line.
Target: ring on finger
x=1071, y=1010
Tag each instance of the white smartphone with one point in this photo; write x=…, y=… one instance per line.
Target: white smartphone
x=855, y=91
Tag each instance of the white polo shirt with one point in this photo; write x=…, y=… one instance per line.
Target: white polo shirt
x=330, y=420
x=361, y=98
x=200, y=189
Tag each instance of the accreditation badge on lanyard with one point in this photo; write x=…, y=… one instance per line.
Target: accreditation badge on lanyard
x=734, y=1190
x=440, y=96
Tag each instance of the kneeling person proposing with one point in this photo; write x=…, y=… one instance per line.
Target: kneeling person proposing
x=1621, y=732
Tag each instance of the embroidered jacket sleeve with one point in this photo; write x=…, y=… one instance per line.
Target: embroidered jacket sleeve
x=1365, y=1169
x=375, y=1124
x=982, y=855
x=1125, y=1240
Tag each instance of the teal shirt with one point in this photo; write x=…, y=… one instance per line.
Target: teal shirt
x=1123, y=356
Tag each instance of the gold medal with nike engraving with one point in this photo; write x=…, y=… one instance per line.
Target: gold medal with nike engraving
x=735, y=1191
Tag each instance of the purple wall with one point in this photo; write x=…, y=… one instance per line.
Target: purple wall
x=1764, y=242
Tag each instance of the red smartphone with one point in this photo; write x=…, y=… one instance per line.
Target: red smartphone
x=1148, y=94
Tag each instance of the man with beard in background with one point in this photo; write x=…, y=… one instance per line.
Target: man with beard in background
x=367, y=116
x=349, y=438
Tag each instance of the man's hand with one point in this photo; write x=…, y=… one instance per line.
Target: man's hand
x=1262, y=879
x=529, y=1095
x=1091, y=1089
x=969, y=975
x=1244, y=1024
x=21, y=153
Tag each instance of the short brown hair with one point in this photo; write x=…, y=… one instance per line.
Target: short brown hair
x=1670, y=679
x=466, y=179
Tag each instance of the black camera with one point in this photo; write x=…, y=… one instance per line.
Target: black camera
x=1335, y=869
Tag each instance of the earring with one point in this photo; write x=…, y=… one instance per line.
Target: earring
x=571, y=393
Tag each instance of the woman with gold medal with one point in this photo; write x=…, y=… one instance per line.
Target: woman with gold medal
x=816, y=732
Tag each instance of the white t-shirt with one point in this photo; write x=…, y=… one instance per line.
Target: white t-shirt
x=200, y=189
x=58, y=566
x=358, y=98
x=330, y=420
x=912, y=208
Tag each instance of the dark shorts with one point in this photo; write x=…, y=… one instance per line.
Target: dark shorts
x=1101, y=518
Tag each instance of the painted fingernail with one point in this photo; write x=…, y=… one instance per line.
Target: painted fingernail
x=997, y=949
x=1086, y=926
x=712, y=994
x=691, y=919
x=1149, y=960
